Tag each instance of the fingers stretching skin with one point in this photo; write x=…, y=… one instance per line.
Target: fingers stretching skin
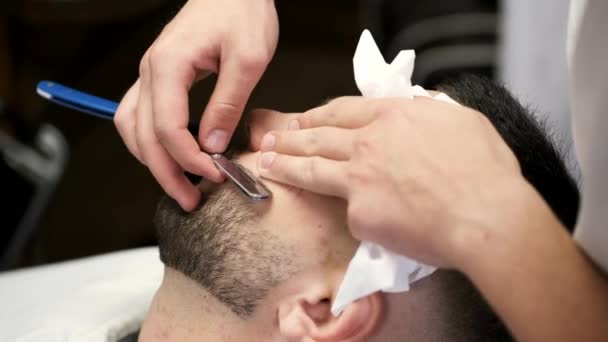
x=315, y=174
x=348, y=112
x=328, y=142
x=263, y=121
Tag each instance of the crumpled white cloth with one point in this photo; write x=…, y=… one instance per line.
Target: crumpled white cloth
x=96, y=299
x=374, y=268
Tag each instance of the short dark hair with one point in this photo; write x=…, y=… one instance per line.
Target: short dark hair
x=220, y=247
x=530, y=138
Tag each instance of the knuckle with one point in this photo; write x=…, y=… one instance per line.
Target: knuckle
x=141, y=146
x=144, y=64
x=359, y=176
x=163, y=133
x=145, y=154
x=120, y=122
x=156, y=53
x=188, y=164
x=339, y=101
x=336, y=101
x=383, y=109
x=311, y=143
x=398, y=102
x=330, y=116
x=364, y=145
x=253, y=60
x=223, y=111
x=309, y=174
x=376, y=107
x=391, y=108
x=125, y=129
x=159, y=56
x=308, y=118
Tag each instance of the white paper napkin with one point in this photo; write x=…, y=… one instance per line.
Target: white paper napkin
x=374, y=268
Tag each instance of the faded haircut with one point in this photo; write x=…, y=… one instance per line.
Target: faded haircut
x=530, y=138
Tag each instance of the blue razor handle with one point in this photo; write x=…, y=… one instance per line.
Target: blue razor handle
x=105, y=109
x=77, y=100
x=85, y=103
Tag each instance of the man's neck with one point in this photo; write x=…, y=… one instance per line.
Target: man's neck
x=183, y=311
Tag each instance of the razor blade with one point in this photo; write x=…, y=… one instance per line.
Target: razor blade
x=241, y=177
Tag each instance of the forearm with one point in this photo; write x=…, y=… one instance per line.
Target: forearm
x=537, y=279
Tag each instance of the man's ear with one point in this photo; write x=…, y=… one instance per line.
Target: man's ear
x=308, y=317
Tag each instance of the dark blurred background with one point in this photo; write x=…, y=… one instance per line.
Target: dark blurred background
x=68, y=186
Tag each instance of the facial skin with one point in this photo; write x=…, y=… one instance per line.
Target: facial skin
x=314, y=228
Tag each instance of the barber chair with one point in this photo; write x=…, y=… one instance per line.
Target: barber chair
x=449, y=37
x=32, y=161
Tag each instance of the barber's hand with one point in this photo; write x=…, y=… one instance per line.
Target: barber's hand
x=420, y=176
x=234, y=38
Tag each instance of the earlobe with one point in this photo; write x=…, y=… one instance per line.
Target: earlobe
x=357, y=322
x=310, y=320
x=301, y=319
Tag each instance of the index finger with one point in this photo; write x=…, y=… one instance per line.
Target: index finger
x=170, y=87
x=234, y=85
x=316, y=174
x=348, y=112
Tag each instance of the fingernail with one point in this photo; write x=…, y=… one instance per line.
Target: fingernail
x=266, y=159
x=293, y=125
x=268, y=142
x=216, y=141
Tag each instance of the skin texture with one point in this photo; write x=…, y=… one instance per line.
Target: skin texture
x=298, y=309
x=346, y=149
x=235, y=39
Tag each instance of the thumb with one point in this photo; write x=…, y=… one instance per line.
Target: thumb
x=235, y=83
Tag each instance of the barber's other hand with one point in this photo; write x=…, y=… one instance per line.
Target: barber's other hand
x=420, y=176
x=234, y=38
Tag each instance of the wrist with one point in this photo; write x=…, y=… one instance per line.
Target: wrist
x=506, y=227
x=529, y=269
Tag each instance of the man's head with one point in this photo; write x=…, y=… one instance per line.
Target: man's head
x=269, y=270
